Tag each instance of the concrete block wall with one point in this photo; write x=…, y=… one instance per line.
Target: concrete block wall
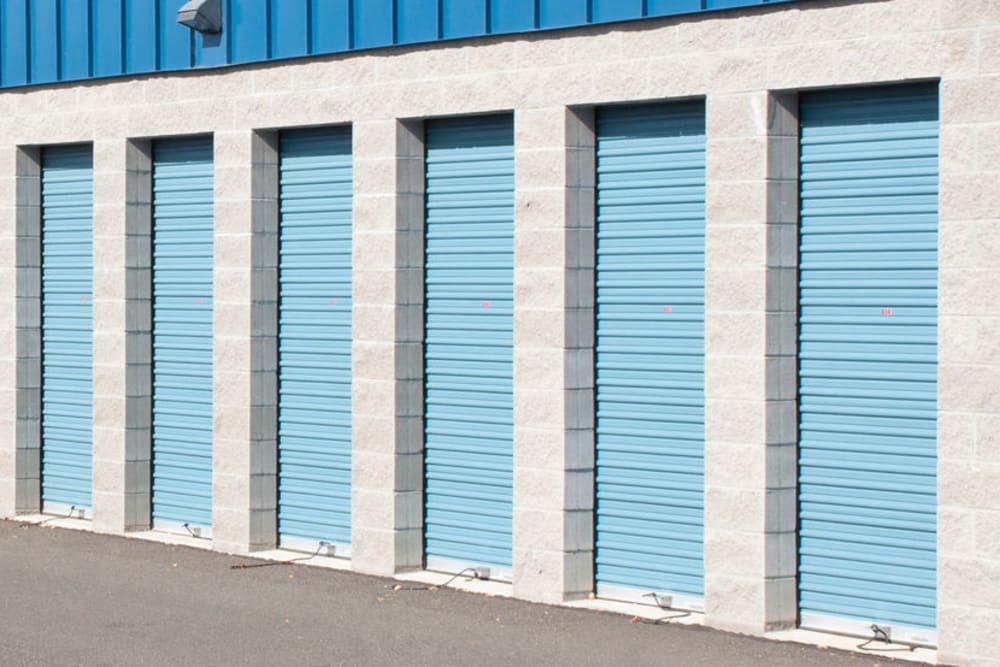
x=747, y=64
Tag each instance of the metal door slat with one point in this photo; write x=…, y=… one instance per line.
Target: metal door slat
x=650, y=351
x=67, y=327
x=868, y=360
x=469, y=342
x=314, y=350
x=183, y=203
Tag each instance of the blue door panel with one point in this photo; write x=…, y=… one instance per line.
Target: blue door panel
x=67, y=325
x=868, y=356
x=650, y=349
x=314, y=355
x=182, y=331
x=469, y=340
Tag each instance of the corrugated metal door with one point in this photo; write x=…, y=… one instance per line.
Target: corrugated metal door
x=182, y=333
x=650, y=352
x=67, y=327
x=469, y=343
x=314, y=355
x=868, y=360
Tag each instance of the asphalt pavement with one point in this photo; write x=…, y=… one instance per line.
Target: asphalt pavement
x=74, y=598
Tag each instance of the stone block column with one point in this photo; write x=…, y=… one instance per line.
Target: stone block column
x=750, y=373
x=245, y=283
x=969, y=363
x=553, y=354
x=122, y=374
x=9, y=183
x=387, y=352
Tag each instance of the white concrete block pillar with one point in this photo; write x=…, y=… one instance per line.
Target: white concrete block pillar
x=750, y=451
x=244, y=463
x=387, y=352
x=121, y=187
x=969, y=368
x=8, y=330
x=553, y=551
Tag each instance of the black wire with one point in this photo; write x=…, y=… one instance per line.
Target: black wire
x=434, y=587
x=68, y=515
x=681, y=613
x=270, y=563
x=187, y=527
x=880, y=635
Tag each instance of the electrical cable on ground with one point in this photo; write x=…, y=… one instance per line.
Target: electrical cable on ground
x=269, y=563
x=195, y=535
x=681, y=613
x=68, y=515
x=434, y=587
x=880, y=635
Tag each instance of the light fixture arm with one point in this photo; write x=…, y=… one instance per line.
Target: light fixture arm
x=203, y=16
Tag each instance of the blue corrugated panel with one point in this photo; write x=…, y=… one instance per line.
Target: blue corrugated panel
x=463, y=18
x=417, y=21
x=182, y=331
x=670, y=7
x=330, y=26
x=248, y=28
x=314, y=352
x=141, y=35
x=562, y=13
x=14, y=45
x=469, y=340
x=174, y=41
x=650, y=349
x=373, y=23
x=616, y=10
x=289, y=28
x=67, y=325
x=868, y=356
x=74, y=49
x=106, y=37
x=513, y=16
x=43, y=25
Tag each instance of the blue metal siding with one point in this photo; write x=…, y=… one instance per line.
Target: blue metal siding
x=650, y=348
x=314, y=353
x=106, y=37
x=868, y=355
x=94, y=32
x=182, y=331
x=74, y=55
x=43, y=39
x=469, y=340
x=67, y=325
x=289, y=28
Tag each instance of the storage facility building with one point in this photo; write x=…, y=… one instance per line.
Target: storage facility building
x=688, y=302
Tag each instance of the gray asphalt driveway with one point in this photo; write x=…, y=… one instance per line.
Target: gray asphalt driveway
x=74, y=598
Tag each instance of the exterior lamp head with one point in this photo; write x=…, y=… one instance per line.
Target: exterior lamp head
x=201, y=15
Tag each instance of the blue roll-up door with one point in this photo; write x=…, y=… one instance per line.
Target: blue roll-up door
x=67, y=327
x=650, y=353
x=314, y=355
x=469, y=343
x=868, y=360
x=182, y=334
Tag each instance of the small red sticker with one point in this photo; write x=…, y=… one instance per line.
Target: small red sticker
x=486, y=304
x=198, y=301
x=667, y=309
x=83, y=297
x=887, y=311
x=333, y=302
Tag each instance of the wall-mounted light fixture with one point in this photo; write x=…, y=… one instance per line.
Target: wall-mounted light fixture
x=201, y=15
